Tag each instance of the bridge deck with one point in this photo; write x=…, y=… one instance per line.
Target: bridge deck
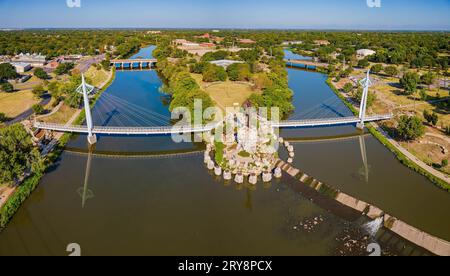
x=166, y=130
x=143, y=60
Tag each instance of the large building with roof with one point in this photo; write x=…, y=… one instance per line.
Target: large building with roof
x=36, y=60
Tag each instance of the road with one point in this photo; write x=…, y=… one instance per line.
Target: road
x=84, y=65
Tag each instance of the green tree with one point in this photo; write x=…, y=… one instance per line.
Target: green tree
x=391, y=71
x=431, y=118
x=7, y=87
x=17, y=154
x=239, y=72
x=38, y=91
x=409, y=82
x=444, y=163
x=427, y=78
x=38, y=109
x=377, y=68
x=64, y=68
x=410, y=128
x=363, y=63
x=214, y=73
x=106, y=64
x=348, y=87
x=423, y=95
x=7, y=71
x=40, y=73
x=3, y=117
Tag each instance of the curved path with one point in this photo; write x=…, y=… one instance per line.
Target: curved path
x=411, y=157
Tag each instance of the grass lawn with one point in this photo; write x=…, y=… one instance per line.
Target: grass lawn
x=13, y=104
x=62, y=116
x=97, y=77
x=390, y=97
x=227, y=93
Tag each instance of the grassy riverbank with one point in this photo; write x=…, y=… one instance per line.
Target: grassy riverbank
x=400, y=156
x=30, y=184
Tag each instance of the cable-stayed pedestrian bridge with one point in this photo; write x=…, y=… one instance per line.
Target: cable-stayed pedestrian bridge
x=92, y=130
x=168, y=130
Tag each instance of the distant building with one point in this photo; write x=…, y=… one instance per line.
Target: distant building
x=36, y=60
x=363, y=53
x=288, y=43
x=225, y=62
x=21, y=67
x=207, y=36
x=207, y=45
x=70, y=58
x=216, y=31
x=322, y=42
x=154, y=32
x=247, y=41
x=185, y=43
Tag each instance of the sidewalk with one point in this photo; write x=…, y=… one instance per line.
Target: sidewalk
x=411, y=157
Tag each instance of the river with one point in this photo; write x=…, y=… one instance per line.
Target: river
x=172, y=205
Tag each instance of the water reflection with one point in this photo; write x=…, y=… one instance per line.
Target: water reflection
x=362, y=146
x=85, y=192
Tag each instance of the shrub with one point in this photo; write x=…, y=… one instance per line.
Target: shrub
x=376, y=69
x=348, y=87
x=431, y=118
x=391, y=71
x=7, y=87
x=38, y=109
x=3, y=117
x=38, y=91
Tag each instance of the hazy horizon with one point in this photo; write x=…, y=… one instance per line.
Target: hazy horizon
x=393, y=15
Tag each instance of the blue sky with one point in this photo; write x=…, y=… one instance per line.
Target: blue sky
x=292, y=14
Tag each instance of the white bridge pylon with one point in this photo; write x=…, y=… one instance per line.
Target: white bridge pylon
x=366, y=83
x=86, y=89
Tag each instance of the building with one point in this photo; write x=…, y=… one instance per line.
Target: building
x=363, y=53
x=246, y=41
x=321, y=42
x=36, y=60
x=207, y=45
x=225, y=62
x=21, y=67
x=154, y=32
x=288, y=43
x=71, y=58
x=207, y=36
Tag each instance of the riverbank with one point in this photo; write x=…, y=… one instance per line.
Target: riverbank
x=23, y=191
x=395, y=148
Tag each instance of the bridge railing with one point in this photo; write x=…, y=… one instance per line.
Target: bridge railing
x=196, y=129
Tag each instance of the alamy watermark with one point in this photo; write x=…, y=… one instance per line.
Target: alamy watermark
x=222, y=125
x=374, y=3
x=73, y=3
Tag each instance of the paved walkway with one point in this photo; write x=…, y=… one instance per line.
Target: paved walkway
x=411, y=157
x=5, y=194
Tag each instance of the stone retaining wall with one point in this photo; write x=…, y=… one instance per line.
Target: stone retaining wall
x=433, y=244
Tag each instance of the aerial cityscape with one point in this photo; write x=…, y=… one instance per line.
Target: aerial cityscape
x=224, y=128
